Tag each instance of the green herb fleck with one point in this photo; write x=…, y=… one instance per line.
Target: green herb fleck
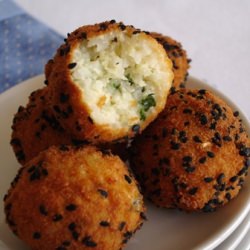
x=148, y=102
x=131, y=81
x=115, y=84
x=142, y=115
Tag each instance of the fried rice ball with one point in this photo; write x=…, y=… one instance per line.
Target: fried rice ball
x=108, y=79
x=35, y=128
x=195, y=155
x=177, y=55
x=74, y=198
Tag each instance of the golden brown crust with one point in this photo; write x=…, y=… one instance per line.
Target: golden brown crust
x=178, y=57
x=35, y=128
x=72, y=112
x=75, y=197
x=195, y=155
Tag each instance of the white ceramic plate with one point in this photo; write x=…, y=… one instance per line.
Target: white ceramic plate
x=165, y=229
x=236, y=238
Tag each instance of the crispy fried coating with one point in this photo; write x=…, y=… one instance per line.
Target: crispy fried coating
x=195, y=155
x=35, y=128
x=178, y=56
x=99, y=90
x=76, y=198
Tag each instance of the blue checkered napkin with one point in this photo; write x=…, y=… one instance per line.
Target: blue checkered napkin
x=25, y=45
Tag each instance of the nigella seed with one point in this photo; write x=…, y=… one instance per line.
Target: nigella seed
x=245, y=151
x=36, y=235
x=203, y=119
x=122, y=225
x=136, y=128
x=103, y=193
x=128, y=179
x=88, y=242
x=208, y=179
x=202, y=91
x=187, y=111
x=72, y=226
x=43, y=210
x=57, y=217
x=71, y=207
x=210, y=154
x=174, y=145
x=227, y=138
x=71, y=65
x=143, y=216
x=197, y=139
x=236, y=113
x=122, y=26
x=190, y=169
x=75, y=235
x=220, y=178
x=228, y=196
x=187, y=159
x=202, y=159
x=64, y=98
x=104, y=224
x=193, y=191
x=84, y=35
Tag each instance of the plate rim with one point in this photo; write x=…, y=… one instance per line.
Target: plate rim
x=211, y=242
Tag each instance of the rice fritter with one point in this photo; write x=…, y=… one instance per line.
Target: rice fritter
x=195, y=155
x=74, y=198
x=35, y=128
x=108, y=81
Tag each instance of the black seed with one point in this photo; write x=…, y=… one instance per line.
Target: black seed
x=136, y=128
x=228, y=196
x=164, y=132
x=213, y=125
x=71, y=207
x=122, y=225
x=35, y=175
x=203, y=119
x=122, y=26
x=155, y=171
x=112, y=21
x=190, y=169
x=104, y=223
x=103, y=193
x=242, y=171
x=247, y=162
x=187, y=123
x=103, y=26
x=227, y=138
x=43, y=210
x=197, y=139
x=36, y=235
x=208, y=208
x=202, y=91
x=143, y=216
x=84, y=35
x=75, y=235
x=174, y=145
x=72, y=226
x=88, y=242
x=64, y=98
x=71, y=65
x=210, y=154
x=187, y=111
x=193, y=191
x=66, y=243
x=245, y=151
x=208, y=179
x=57, y=217
x=127, y=178
x=15, y=141
x=220, y=178
x=187, y=158
x=236, y=113
x=202, y=159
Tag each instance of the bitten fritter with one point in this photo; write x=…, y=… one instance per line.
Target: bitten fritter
x=108, y=79
x=74, y=198
x=177, y=55
x=35, y=128
x=195, y=155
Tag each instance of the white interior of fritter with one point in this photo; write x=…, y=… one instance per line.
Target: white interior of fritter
x=122, y=77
